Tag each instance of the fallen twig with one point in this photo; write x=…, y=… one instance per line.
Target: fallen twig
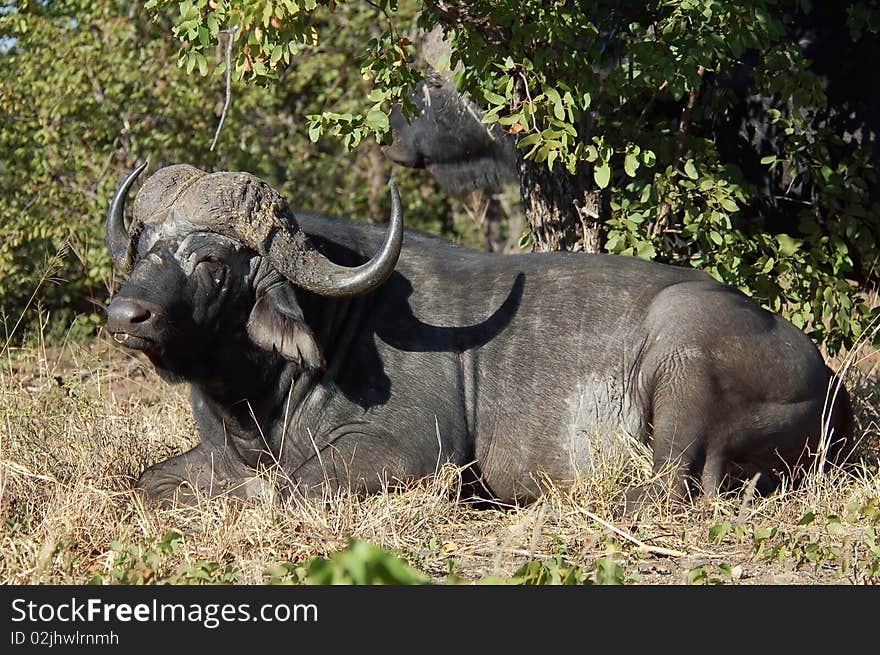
x=642, y=546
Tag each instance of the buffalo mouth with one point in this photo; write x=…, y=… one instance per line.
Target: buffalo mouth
x=134, y=342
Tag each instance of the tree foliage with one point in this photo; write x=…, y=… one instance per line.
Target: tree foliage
x=654, y=104
x=639, y=94
x=89, y=88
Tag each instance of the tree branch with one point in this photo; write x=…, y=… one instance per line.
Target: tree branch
x=662, y=224
x=230, y=34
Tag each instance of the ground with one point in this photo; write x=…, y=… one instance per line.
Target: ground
x=80, y=421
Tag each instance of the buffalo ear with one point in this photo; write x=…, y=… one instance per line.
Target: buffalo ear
x=276, y=322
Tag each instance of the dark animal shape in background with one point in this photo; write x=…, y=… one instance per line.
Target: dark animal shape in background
x=382, y=367
x=448, y=138
x=471, y=161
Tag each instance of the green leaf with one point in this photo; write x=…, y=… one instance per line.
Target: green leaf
x=376, y=120
x=631, y=164
x=602, y=174
x=645, y=250
x=835, y=527
x=763, y=534
x=277, y=53
x=493, y=98
x=787, y=245
x=698, y=576
x=609, y=572
x=718, y=531
x=808, y=517
x=529, y=140
x=556, y=100
x=729, y=205
x=690, y=170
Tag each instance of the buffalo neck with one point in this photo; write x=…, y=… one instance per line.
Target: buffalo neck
x=240, y=396
x=252, y=399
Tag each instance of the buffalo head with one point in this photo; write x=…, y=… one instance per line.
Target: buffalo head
x=215, y=260
x=448, y=138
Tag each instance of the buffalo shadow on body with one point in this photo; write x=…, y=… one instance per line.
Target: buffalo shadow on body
x=407, y=332
x=413, y=335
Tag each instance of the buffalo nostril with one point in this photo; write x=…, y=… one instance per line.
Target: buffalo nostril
x=124, y=313
x=140, y=316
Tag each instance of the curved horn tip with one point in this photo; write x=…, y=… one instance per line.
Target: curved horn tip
x=140, y=168
x=117, y=203
x=339, y=281
x=396, y=207
x=117, y=234
x=131, y=177
x=129, y=180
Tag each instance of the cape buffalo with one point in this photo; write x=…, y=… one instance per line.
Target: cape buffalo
x=448, y=138
x=307, y=352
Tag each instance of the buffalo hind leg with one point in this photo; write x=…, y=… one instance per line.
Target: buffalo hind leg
x=679, y=477
x=688, y=456
x=672, y=480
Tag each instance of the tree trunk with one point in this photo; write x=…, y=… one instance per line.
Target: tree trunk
x=378, y=176
x=564, y=211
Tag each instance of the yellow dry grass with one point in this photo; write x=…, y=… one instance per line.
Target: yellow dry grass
x=79, y=422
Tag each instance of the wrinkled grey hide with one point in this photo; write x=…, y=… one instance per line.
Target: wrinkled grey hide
x=525, y=365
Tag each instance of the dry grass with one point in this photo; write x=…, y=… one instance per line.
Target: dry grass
x=80, y=422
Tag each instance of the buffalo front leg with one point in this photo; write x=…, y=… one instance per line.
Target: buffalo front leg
x=200, y=472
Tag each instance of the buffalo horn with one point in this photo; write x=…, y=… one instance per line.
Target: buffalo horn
x=311, y=270
x=117, y=238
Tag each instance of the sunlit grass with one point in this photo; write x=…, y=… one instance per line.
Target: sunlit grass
x=80, y=422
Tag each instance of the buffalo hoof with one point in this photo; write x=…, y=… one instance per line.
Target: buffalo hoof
x=157, y=490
